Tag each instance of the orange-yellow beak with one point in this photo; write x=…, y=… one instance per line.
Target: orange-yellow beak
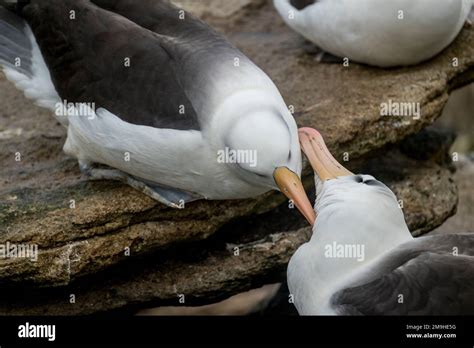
x=290, y=185
x=322, y=162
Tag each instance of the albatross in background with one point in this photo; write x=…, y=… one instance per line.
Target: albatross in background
x=157, y=96
x=362, y=259
x=380, y=33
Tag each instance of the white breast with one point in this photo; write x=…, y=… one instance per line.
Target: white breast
x=356, y=225
x=174, y=158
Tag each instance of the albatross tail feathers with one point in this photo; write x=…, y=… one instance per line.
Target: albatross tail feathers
x=22, y=61
x=15, y=46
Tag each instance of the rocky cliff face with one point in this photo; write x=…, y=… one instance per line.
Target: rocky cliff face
x=113, y=248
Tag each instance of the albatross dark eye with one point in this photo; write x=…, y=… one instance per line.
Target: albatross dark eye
x=372, y=182
x=359, y=179
x=367, y=181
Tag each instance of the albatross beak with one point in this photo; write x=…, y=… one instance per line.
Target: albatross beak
x=290, y=185
x=323, y=163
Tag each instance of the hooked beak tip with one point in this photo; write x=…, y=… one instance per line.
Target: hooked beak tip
x=291, y=186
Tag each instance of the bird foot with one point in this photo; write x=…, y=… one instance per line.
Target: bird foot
x=324, y=57
x=117, y=175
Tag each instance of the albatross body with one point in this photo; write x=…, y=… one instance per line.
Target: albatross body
x=362, y=259
x=380, y=33
x=159, y=96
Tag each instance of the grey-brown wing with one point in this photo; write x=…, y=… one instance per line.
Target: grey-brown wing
x=97, y=56
x=162, y=17
x=428, y=276
x=202, y=58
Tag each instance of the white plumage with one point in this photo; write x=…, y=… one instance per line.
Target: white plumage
x=377, y=32
x=350, y=213
x=362, y=259
x=141, y=135
x=243, y=104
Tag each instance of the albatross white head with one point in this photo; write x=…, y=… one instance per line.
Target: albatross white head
x=270, y=137
x=358, y=219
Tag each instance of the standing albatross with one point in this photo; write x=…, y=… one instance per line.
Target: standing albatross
x=147, y=89
x=362, y=259
x=382, y=33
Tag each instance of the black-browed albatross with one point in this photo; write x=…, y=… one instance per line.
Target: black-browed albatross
x=362, y=259
x=159, y=96
x=382, y=33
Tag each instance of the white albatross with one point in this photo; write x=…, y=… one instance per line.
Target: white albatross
x=362, y=259
x=169, y=105
x=381, y=33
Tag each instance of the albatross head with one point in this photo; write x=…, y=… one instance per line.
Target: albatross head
x=358, y=219
x=267, y=146
x=359, y=203
x=349, y=204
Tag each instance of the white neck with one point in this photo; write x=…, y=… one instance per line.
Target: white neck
x=352, y=231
